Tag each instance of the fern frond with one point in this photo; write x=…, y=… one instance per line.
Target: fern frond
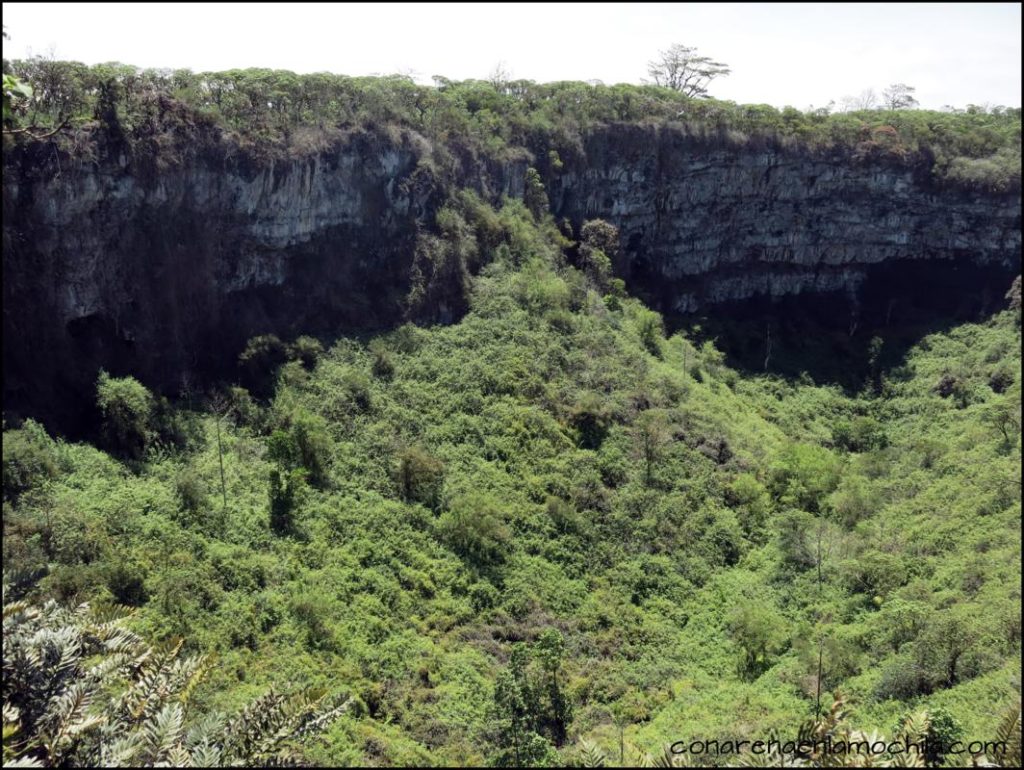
x=916, y=725
x=15, y=608
x=667, y=759
x=1009, y=733
x=123, y=751
x=60, y=664
x=11, y=713
x=192, y=678
x=119, y=640
x=206, y=756
x=318, y=720
x=23, y=762
x=590, y=755
x=107, y=667
x=64, y=711
x=164, y=731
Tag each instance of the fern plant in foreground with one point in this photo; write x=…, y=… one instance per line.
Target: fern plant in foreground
x=81, y=690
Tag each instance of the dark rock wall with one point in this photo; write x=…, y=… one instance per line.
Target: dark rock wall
x=165, y=275
x=704, y=223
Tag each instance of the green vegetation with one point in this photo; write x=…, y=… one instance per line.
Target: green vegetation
x=82, y=691
x=164, y=116
x=552, y=522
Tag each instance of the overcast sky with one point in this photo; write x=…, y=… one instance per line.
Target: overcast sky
x=796, y=54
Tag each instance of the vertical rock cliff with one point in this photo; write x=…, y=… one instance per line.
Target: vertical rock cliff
x=707, y=222
x=164, y=273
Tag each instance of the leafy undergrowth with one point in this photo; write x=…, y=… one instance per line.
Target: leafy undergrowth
x=549, y=522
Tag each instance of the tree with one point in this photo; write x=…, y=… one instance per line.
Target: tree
x=534, y=196
x=939, y=728
x=286, y=488
x=312, y=444
x=499, y=77
x=475, y=529
x=29, y=458
x=260, y=360
x=803, y=475
x=556, y=709
x=651, y=434
x=599, y=247
x=512, y=709
x=1005, y=417
x=899, y=96
x=875, y=348
x=530, y=706
x=749, y=498
x=127, y=409
x=865, y=100
x=759, y=635
x=682, y=70
x=17, y=94
x=419, y=476
x=14, y=90
x=306, y=349
x=652, y=331
x=221, y=407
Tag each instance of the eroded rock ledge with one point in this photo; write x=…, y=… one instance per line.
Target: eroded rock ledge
x=166, y=274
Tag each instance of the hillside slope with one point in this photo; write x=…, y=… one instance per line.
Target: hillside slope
x=551, y=498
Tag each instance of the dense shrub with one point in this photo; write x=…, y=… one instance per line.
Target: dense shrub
x=29, y=458
x=306, y=349
x=717, y=553
x=127, y=410
x=803, y=475
x=474, y=527
x=419, y=476
x=286, y=489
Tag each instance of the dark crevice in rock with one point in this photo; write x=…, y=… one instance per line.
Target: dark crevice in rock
x=164, y=273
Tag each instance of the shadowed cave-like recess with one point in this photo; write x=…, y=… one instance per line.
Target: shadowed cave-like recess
x=166, y=276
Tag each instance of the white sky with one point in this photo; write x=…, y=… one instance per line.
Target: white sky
x=780, y=53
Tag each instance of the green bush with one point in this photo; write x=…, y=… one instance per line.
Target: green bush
x=306, y=349
x=127, y=584
x=29, y=459
x=286, y=493
x=760, y=636
x=127, y=410
x=192, y=490
x=419, y=476
x=313, y=446
x=359, y=390
x=383, y=367
x=651, y=330
x=591, y=420
x=311, y=612
x=803, y=475
x=854, y=500
x=475, y=528
x=749, y=498
x=562, y=514
x=863, y=434
x=534, y=195
x=244, y=410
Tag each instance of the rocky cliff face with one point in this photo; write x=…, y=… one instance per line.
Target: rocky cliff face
x=704, y=224
x=165, y=274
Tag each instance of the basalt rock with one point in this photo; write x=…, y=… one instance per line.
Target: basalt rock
x=165, y=272
x=709, y=221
